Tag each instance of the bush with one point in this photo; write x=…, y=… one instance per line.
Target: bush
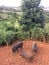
x=21, y=35
x=37, y=33
x=2, y=36
x=7, y=36
x=46, y=33
x=10, y=36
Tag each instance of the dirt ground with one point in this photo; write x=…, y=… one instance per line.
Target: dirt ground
x=40, y=58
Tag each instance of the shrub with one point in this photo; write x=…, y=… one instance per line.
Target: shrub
x=7, y=36
x=21, y=35
x=37, y=33
x=2, y=37
x=10, y=37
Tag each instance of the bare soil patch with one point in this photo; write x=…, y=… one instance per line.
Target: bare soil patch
x=40, y=58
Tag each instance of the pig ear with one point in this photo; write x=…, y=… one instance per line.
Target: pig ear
x=34, y=42
x=23, y=41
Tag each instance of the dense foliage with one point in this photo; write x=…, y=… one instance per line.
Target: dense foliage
x=33, y=18
x=32, y=23
x=9, y=27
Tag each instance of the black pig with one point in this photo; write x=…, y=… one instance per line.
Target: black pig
x=18, y=45
x=34, y=47
x=27, y=55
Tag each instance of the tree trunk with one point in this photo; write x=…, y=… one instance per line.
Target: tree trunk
x=44, y=39
x=7, y=43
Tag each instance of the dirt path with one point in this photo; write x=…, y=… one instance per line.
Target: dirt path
x=41, y=57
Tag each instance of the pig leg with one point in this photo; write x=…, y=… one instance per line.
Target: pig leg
x=17, y=50
x=21, y=47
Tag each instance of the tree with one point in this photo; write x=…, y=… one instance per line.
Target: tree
x=32, y=14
